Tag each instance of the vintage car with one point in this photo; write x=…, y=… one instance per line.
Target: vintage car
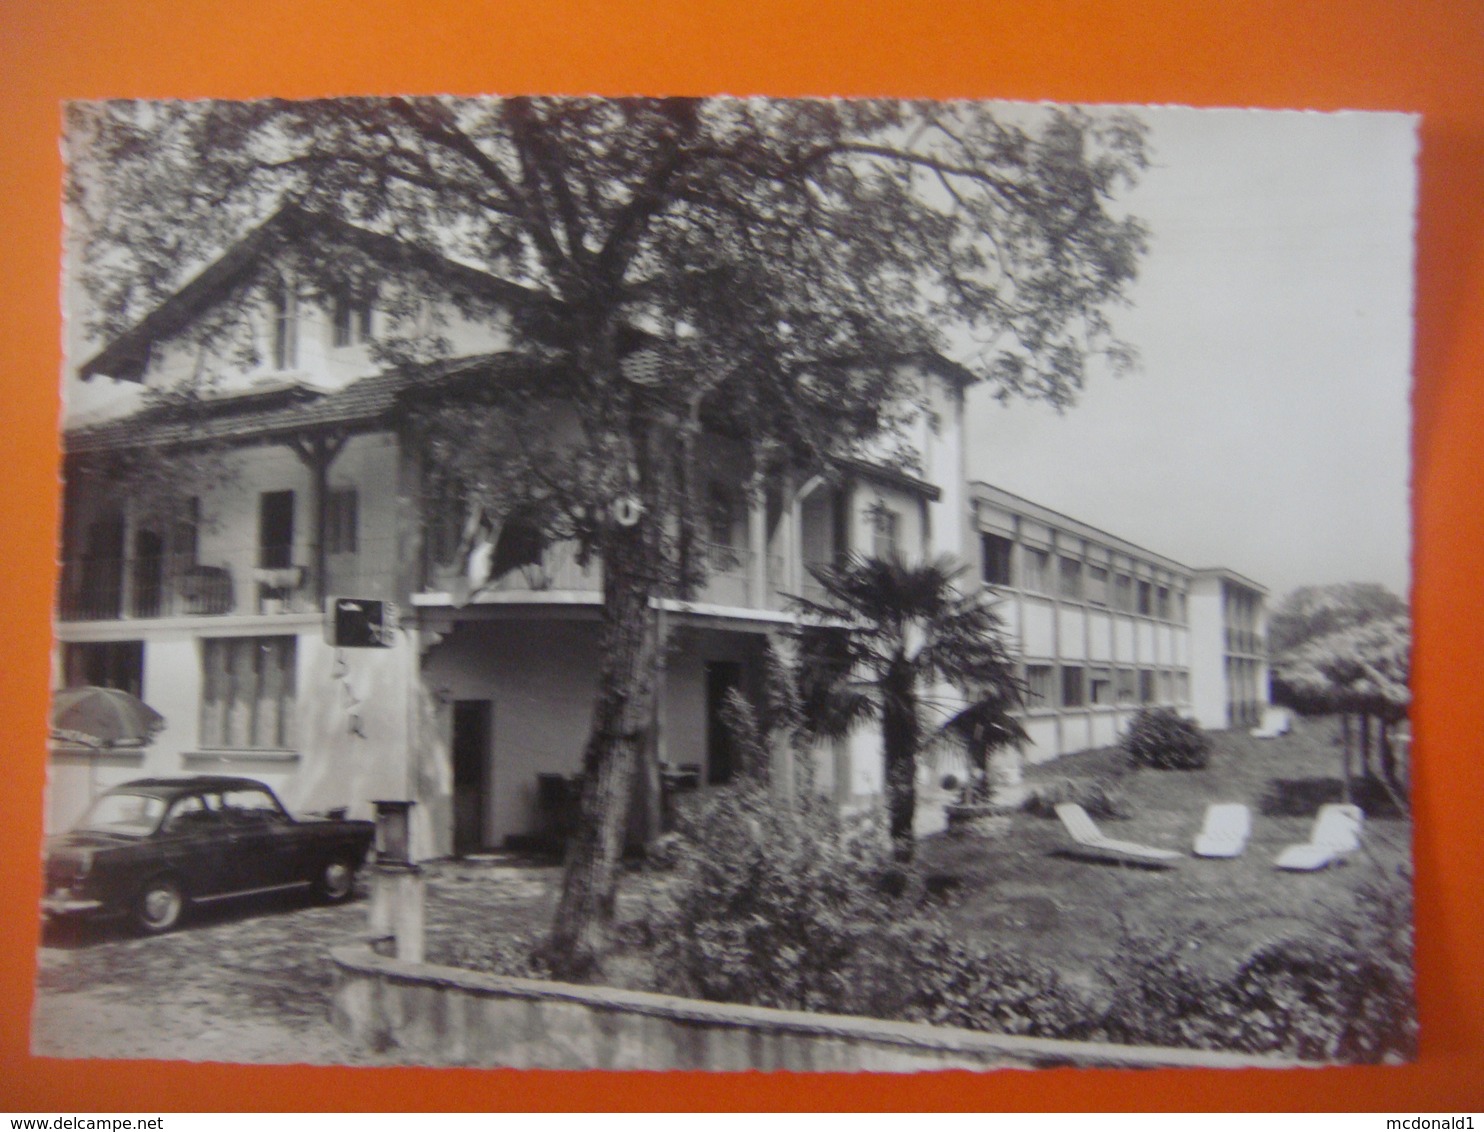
x=151, y=848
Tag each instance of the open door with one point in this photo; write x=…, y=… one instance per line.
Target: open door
x=472, y=774
x=721, y=750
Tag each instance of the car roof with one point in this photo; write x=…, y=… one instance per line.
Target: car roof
x=171, y=787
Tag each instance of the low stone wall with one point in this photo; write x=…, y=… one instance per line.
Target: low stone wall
x=449, y=1016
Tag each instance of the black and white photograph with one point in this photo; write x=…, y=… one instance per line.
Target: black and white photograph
x=732, y=584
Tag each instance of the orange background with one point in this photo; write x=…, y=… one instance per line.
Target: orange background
x=1424, y=55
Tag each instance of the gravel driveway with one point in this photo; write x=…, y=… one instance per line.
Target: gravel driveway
x=250, y=980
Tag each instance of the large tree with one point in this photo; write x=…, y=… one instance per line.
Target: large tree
x=759, y=267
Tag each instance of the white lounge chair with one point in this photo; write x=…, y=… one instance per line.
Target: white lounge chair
x=1091, y=841
x=1275, y=722
x=1336, y=832
x=1225, y=831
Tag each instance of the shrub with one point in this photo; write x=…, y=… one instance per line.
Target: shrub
x=772, y=905
x=1348, y=996
x=1100, y=797
x=947, y=982
x=1343, y=997
x=1161, y=739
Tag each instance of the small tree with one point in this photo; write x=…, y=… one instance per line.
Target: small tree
x=1362, y=670
x=1344, y=649
x=901, y=629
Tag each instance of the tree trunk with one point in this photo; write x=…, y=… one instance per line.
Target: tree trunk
x=1365, y=745
x=1387, y=757
x=900, y=738
x=615, y=748
x=1345, y=746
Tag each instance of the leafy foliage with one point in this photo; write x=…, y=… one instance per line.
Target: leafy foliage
x=773, y=905
x=905, y=628
x=1162, y=739
x=1346, y=995
x=1311, y=612
x=1101, y=797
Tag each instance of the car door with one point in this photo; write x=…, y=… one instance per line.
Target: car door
x=265, y=842
x=196, y=846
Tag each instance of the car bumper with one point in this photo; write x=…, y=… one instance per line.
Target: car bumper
x=67, y=904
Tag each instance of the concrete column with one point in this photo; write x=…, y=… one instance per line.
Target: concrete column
x=757, y=546
x=397, y=909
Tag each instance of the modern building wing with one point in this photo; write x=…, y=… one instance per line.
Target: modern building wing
x=1106, y=627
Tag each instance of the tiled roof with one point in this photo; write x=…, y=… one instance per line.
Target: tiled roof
x=125, y=356
x=284, y=411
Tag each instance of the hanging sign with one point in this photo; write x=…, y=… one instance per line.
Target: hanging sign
x=360, y=623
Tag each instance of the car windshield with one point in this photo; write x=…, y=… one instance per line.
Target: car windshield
x=128, y=815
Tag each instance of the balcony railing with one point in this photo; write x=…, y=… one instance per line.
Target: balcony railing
x=144, y=587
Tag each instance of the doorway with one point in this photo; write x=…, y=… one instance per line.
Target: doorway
x=472, y=773
x=722, y=676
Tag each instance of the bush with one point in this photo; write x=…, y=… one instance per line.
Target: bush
x=947, y=982
x=1342, y=997
x=1100, y=797
x=800, y=909
x=1161, y=739
x=773, y=905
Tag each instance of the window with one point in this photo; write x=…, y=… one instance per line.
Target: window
x=352, y=320
x=285, y=327
x=1073, y=691
x=105, y=664
x=886, y=531
x=276, y=529
x=1162, y=602
x=1097, y=585
x=1038, y=684
x=520, y=544
x=445, y=521
x=251, y=807
x=1146, y=598
x=1069, y=578
x=342, y=521
x=1182, y=687
x=248, y=696
x=721, y=515
x=1181, y=610
x=1123, y=593
x=185, y=534
x=1100, y=686
x=1037, y=570
x=997, y=552
x=1127, y=685
x=1146, y=686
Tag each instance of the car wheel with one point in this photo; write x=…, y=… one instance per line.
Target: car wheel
x=160, y=905
x=336, y=881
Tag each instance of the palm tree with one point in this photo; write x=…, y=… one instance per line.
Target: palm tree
x=885, y=635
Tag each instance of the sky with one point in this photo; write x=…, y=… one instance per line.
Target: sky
x=1268, y=426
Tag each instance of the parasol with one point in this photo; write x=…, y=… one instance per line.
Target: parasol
x=103, y=717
